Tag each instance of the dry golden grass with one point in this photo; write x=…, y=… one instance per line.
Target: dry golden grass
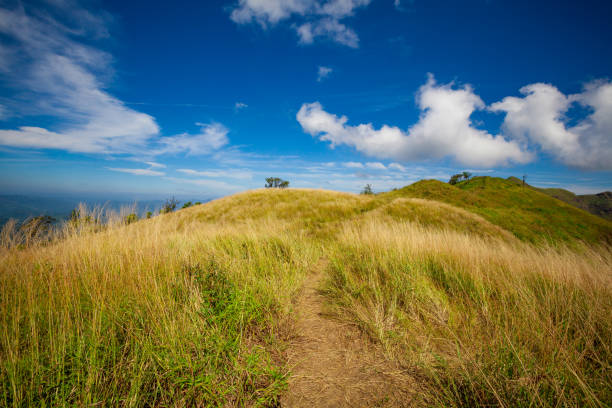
x=487, y=322
x=189, y=308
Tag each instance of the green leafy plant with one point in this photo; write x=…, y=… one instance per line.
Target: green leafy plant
x=169, y=206
x=275, y=182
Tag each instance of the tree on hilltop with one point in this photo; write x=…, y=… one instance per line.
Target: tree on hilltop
x=455, y=178
x=275, y=182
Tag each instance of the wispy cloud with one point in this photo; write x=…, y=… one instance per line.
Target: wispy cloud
x=215, y=186
x=62, y=76
x=240, y=105
x=397, y=166
x=155, y=165
x=4, y=113
x=137, y=172
x=376, y=166
x=217, y=173
x=50, y=61
x=212, y=137
x=323, y=73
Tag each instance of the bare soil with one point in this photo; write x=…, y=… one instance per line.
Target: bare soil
x=333, y=364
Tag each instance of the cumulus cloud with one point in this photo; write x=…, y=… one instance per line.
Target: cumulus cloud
x=353, y=165
x=56, y=71
x=539, y=118
x=443, y=130
x=312, y=18
x=535, y=122
x=322, y=73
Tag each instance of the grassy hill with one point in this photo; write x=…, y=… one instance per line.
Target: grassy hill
x=459, y=288
x=599, y=204
x=529, y=214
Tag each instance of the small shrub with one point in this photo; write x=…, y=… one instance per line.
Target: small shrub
x=169, y=206
x=130, y=218
x=367, y=190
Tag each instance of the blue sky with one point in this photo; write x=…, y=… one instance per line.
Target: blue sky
x=203, y=99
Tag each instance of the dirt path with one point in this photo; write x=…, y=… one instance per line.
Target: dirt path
x=333, y=365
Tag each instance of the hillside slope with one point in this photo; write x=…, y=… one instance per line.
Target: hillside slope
x=599, y=204
x=530, y=215
x=199, y=307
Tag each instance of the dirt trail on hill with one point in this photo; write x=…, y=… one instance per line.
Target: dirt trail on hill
x=333, y=364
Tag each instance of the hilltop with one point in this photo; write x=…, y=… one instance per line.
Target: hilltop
x=528, y=213
x=599, y=204
x=484, y=293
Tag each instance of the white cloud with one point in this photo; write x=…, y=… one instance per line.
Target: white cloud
x=539, y=119
x=240, y=105
x=322, y=73
x=443, y=130
x=61, y=76
x=269, y=11
x=137, y=172
x=534, y=122
x=313, y=18
x=397, y=166
x=155, y=165
x=353, y=165
x=222, y=174
x=330, y=28
x=375, y=166
x=214, y=185
x=212, y=137
x=57, y=74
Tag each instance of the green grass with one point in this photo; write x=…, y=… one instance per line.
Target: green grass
x=598, y=204
x=483, y=324
x=148, y=319
x=530, y=215
x=490, y=294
